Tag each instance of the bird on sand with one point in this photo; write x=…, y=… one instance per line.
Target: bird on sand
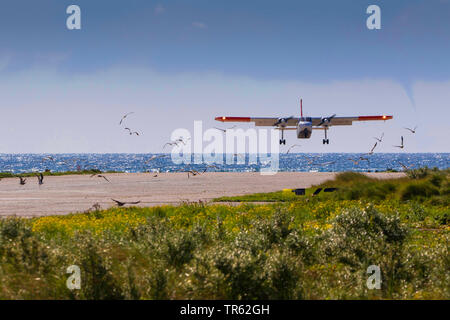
x=122, y=203
x=156, y=173
x=40, y=177
x=100, y=176
x=412, y=130
x=401, y=146
x=123, y=118
x=22, y=181
x=193, y=172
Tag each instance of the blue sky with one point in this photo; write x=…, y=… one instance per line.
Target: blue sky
x=240, y=50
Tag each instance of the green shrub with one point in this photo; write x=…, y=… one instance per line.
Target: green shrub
x=97, y=276
x=275, y=229
x=179, y=248
x=360, y=238
x=418, y=190
x=243, y=273
x=158, y=284
x=11, y=228
x=347, y=177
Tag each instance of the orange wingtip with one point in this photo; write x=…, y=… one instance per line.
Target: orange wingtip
x=366, y=118
x=233, y=119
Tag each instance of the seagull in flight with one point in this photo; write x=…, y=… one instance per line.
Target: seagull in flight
x=100, y=176
x=180, y=140
x=291, y=147
x=312, y=160
x=373, y=148
x=406, y=168
x=224, y=130
x=210, y=166
x=176, y=142
x=358, y=160
x=123, y=118
x=412, y=130
x=170, y=144
x=122, y=203
x=132, y=132
x=324, y=163
x=156, y=157
x=401, y=146
x=380, y=139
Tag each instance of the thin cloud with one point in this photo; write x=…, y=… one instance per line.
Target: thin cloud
x=199, y=25
x=5, y=61
x=159, y=9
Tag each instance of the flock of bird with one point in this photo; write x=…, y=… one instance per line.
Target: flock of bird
x=177, y=142
x=192, y=172
x=379, y=140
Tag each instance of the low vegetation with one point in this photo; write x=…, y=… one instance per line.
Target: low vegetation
x=304, y=247
x=51, y=173
x=423, y=185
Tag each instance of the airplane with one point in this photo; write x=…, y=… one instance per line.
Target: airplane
x=303, y=125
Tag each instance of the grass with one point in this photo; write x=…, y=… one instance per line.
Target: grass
x=301, y=247
x=423, y=185
x=278, y=196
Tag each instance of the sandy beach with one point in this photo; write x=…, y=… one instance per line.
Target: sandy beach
x=77, y=193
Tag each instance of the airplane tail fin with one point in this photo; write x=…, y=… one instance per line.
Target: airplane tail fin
x=301, y=108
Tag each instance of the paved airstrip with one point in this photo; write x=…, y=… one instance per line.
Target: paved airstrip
x=77, y=193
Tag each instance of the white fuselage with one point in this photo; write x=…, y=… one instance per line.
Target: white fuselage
x=304, y=128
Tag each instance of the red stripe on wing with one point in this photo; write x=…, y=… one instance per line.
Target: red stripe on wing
x=366, y=118
x=233, y=119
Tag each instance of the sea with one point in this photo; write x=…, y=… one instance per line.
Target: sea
x=291, y=162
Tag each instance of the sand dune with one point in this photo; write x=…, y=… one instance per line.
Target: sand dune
x=77, y=193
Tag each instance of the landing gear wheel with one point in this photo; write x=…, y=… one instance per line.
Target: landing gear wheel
x=283, y=141
x=326, y=138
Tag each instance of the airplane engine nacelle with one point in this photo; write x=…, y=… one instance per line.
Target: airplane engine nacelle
x=304, y=130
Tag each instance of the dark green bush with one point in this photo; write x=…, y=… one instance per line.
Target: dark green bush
x=418, y=190
x=360, y=238
x=98, y=281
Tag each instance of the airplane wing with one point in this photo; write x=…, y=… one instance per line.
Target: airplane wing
x=336, y=121
x=259, y=122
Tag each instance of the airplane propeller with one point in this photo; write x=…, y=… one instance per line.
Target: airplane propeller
x=283, y=120
x=326, y=119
